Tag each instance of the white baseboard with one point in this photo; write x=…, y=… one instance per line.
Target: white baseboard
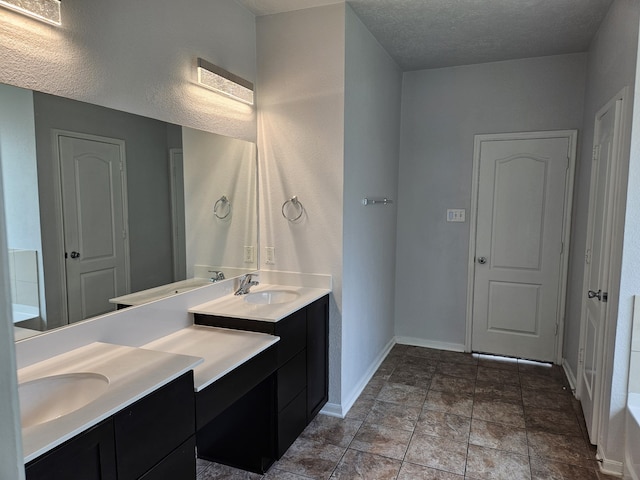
x=341, y=410
x=422, y=342
x=609, y=467
x=570, y=375
x=332, y=410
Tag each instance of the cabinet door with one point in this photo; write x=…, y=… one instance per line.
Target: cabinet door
x=317, y=356
x=88, y=456
x=154, y=426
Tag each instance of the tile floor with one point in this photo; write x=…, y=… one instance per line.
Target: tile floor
x=437, y=415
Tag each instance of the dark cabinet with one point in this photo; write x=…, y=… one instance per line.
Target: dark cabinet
x=151, y=428
x=317, y=356
x=302, y=365
x=87, y=456
x=154, y=438
x=235, y=416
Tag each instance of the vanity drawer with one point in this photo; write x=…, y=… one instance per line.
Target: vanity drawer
x=292, y=378
x=293, y=336
x=291, y=422
x=178, y=464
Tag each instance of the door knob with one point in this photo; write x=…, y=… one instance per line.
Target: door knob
x=75, y=255
x=592, y=294
x=482, y=260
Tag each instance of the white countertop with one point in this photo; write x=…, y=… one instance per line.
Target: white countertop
x=132, y=372
x=235, y=306
x=156, y=293
x=222, y=349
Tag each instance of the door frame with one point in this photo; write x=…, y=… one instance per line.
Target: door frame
x=572, y=135
x=59, y=212
x=179, y=262
x=617, y=182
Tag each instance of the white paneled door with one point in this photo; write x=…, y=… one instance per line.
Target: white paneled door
x=519, y=235
x=94, y=218
x=597, y=259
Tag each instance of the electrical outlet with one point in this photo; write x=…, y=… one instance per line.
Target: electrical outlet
x=270, y=255
x=455, y=215
x=248, y=254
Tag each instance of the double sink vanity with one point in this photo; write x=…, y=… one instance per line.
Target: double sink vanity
x=131, y=394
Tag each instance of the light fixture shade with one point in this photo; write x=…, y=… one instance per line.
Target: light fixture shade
x=218, y=79
x=43, y=10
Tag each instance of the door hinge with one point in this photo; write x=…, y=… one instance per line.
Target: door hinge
x=568, y=162
x=561, y=248
x=587, y=256
x=596, y=153
x=124, y=234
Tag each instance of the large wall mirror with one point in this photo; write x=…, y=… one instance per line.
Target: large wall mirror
x=101, y=203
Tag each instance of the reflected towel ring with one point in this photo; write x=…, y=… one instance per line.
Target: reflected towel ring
x=296, y=204
x=219, y=206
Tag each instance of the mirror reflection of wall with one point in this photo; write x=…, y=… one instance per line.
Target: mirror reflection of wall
x=36, y=132
x=220, y=204
x=21, y=204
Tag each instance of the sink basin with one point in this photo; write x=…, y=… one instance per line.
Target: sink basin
x=270, y=297
x=48, y=398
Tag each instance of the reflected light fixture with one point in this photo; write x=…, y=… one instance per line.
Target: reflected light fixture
x=44, y=10
x=219, y=80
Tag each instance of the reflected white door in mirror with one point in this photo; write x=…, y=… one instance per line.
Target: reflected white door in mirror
x=93, y=192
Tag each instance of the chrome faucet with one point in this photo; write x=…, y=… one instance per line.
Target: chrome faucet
x=245, y=284
x=216, y=276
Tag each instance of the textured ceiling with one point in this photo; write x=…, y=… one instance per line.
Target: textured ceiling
x=422, y=34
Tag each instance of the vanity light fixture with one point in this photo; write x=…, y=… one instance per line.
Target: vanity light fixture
x=44, y=10
x=218, y=79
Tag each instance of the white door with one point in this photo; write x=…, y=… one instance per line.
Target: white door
x=599, y=231
x=519, y=244
x=94, y=218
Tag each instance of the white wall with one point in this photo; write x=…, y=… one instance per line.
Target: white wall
x=301, y=149
x=611, y=66
x=137, y=57
x=372, y=141
x=442, y=110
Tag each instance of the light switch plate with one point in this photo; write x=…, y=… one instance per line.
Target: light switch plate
x=248, y=254
x=455, y=215
x=270, y=255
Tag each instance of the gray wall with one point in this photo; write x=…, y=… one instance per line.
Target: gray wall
x=371, y=144
x=146, y=149
x=442, y=110
x=611, y=66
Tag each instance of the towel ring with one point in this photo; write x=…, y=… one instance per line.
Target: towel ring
x=219, y=206
x=295, y=203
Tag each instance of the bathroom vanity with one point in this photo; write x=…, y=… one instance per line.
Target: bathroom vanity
x=241, y=388
x=162, y=422
x=301, y=380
